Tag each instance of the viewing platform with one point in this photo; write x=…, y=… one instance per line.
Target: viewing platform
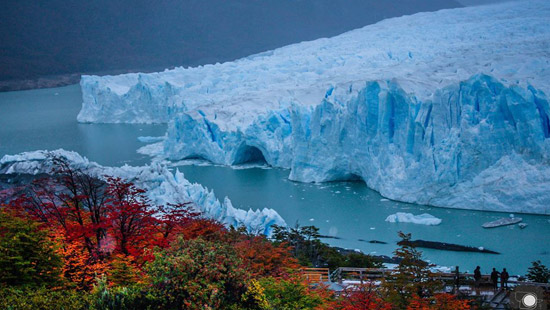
x=349, y=278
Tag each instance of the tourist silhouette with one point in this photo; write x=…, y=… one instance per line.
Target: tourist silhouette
x=504, y=278
x=477, y=278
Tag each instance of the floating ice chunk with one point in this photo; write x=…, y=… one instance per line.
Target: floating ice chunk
x=153, y=150
x=422, y=219
x=149, y=139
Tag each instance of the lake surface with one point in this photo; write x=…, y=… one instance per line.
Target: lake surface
x=46, y=119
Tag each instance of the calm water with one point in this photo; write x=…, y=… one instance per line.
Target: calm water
x=46, y=119
x=351, y=211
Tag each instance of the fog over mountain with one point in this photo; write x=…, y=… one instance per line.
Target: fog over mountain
x=58, y=38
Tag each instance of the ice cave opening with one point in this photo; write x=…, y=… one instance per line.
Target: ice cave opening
x=197, y=157
x=247, y=154
x=348, y=177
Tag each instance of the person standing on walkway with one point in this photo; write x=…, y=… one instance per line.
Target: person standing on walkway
x=494, y=279
x=504, y=279
x=477, y=278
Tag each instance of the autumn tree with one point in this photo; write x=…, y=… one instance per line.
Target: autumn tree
x=130, y=216
x=204, y=228
x=263, y=258
x=362, y=297
x=198, y=274
x=80, y=268
x=173, y=220
x=70, y=200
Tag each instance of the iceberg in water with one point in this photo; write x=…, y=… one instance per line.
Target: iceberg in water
x=163, y=187
x=422, y=219
x=424, y=110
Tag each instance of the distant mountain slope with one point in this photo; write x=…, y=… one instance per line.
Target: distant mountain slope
x=41, y=38
x=481, y=2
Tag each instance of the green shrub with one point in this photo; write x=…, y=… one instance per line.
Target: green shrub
x=289, y=294
x=122, y=298
x=198, y=274
x=43, y=299
x=27, y=256
x=538, y=273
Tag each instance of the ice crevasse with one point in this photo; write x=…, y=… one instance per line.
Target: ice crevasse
x=448, y=108
x=162, y=187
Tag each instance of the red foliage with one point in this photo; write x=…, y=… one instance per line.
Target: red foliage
x=73, y=203
x=130, y=217
x=94, y=221
x=262, y=258
x=207, y=229
x=363, y=297
x=79, y=268
x=107, y=227
x=174, y=220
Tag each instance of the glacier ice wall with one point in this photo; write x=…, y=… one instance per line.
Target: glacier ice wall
x=446, y=108
x=163, y=187
x=476, y=145
x=424, y=52
x=194, y=136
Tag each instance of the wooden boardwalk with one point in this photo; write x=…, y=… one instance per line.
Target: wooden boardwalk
x=345, y=277
x=316, y=275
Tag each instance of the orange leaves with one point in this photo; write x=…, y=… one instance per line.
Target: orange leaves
x=363, y=297
x=262, y=258
x=204, y=228
x=80, y=268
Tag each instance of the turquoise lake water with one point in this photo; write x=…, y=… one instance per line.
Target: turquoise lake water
x=46, y=119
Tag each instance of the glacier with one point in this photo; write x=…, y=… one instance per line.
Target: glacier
x=447, y=108
x=162, y=187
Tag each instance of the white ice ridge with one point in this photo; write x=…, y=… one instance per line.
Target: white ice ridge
x=446, y=109
x=422, y=219
x=163, y=187
x=422, y=52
